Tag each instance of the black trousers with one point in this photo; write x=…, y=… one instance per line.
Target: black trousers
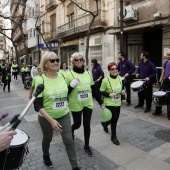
x=15, y=75
x=115, y=116
x=77, y=116
x=6, y=83
x=146, y=94
x=128, y=89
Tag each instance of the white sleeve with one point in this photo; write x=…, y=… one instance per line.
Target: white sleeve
x=32, y=70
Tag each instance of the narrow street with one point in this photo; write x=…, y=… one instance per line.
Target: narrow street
x=144, y=138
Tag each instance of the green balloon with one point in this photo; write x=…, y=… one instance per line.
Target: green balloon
x=106, y=114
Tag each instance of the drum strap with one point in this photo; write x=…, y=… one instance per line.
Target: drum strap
x=110, y=83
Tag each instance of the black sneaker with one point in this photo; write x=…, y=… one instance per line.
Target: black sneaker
x=105, y=128
x=47, y=161
x=156, y=113
x=147, y=110
x=88, y=151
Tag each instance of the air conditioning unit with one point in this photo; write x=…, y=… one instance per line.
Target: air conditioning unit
x=130, y=13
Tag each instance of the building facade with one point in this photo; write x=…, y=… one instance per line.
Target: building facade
x=146, y=26
x=66, y=25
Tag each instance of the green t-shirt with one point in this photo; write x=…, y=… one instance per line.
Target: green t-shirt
x=34, y=80
x=54, y=95
x=64, y=73
x=81, y=95
x=114, y=86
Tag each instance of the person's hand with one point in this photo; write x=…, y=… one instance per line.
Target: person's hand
x=74, y=82
x=147, y=79
x=102, y=106
x=5, y=138
x=56, y=126
x=137, y=75
x=30, y=97
x=126, y=75
x=112, y=94
x=123, y=92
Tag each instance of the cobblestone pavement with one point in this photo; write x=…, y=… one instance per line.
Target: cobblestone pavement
x=144, y=138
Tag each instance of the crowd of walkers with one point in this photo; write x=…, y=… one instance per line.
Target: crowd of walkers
x=73, y=90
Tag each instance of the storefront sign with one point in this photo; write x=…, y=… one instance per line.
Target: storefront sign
x=49, y=45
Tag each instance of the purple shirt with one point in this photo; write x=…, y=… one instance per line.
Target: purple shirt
x=147, y=69
x=97, y=72
x=166, y=67
x=126, y=66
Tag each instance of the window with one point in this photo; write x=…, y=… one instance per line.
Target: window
x=71, y=20
x=53, y=24
x=43, y=27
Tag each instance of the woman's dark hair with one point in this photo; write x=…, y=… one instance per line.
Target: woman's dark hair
x=95, y=62
x=61, y=66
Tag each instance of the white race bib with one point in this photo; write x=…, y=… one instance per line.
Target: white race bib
x=83, y=95
x=116, y=97
x=60, y=103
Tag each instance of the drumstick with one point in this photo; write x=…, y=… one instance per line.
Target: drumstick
x=139, y=79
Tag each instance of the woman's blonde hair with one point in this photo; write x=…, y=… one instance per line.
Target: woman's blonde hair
x=46, y=57
x=74, y=55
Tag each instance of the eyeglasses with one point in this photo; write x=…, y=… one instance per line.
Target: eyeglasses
x=77, y=60
x=168, y=54
x=53, y=60
x=113, y=68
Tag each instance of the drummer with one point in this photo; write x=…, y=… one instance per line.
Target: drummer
x=165, y=81
x=146, y=71
x=126, y=68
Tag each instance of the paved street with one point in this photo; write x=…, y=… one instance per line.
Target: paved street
x=144, y=138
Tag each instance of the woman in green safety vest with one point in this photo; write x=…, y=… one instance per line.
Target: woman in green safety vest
x=15, y=69
x=53, y=109
x=81, y=92
x=24, y=71
x=111, y=89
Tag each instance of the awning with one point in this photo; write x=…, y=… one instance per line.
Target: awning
x=151, y=24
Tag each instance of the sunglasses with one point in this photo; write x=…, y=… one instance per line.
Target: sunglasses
x=168, y=54
x=53, y=60
x=77, y=60
x=114, y=69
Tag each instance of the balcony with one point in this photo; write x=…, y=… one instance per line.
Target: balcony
x=51, y=5
x=51, y=35
x=81, y=24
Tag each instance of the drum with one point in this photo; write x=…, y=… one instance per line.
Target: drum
x=159, y=98
x=137, y=86
x=12, y=157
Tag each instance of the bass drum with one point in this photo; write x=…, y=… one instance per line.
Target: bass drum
x=12, y=157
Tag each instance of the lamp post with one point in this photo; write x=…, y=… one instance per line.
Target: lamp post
x=38, y=38
x=121, y=26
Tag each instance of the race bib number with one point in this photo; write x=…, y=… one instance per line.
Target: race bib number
x=60, y=103
x=83, y=95
x=116, y=97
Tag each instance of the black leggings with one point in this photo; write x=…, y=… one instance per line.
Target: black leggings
x=87, y=113
x=15, y=75
x=115, y=116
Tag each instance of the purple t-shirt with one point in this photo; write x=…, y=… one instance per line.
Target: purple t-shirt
x=166, y=67
x=97, y=72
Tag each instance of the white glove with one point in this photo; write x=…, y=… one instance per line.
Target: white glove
x=112, y=94
x=74, y=82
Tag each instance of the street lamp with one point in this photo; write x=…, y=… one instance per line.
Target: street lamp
x=38, y=38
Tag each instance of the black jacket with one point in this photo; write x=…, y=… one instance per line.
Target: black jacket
x=6, y=72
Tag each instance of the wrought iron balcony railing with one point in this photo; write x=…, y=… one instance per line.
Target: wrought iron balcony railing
x=82, y=24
